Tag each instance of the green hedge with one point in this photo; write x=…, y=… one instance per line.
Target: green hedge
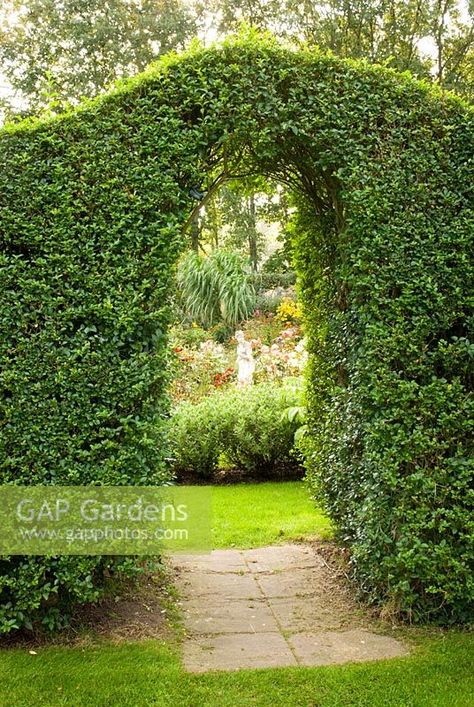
x=388, y=303
x=248, y=429
x=91, y=209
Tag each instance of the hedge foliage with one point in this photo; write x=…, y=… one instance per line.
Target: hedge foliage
x=92, y=207
x=247, y=429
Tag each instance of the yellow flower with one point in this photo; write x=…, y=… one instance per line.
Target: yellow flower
x=288, y=311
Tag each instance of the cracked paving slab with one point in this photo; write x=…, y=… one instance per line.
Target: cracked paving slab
x=271, y=607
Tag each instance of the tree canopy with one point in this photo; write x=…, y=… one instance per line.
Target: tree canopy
x=53, y=52
x=59, y=51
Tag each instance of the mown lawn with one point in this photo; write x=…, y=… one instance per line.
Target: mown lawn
x=254, y=515
x=440, y=673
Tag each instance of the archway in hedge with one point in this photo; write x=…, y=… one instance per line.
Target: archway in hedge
x=93, y=207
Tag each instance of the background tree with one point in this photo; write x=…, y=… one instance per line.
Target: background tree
x=58, y=51
x=237, y=204
x=227, y=15
x=453, y=39
x=430, y=38
x=238, y=216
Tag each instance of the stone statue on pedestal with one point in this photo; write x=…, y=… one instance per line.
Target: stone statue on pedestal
x=245, y=361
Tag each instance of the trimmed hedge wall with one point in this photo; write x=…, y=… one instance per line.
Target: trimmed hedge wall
x=92, y=206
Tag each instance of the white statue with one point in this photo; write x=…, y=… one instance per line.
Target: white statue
x=245, y=361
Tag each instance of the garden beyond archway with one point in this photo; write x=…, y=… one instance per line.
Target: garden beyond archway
x=93, y=207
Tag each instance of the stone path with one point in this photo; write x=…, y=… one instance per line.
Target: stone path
x=271, y=607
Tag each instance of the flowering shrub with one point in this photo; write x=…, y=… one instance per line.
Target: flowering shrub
x=187, y=335
x=286, y=356
x=221, y=379
x=199, y=370
x=289, y=311
x=207, y=365
x=263, y=326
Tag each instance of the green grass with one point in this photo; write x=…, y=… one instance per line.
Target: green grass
x=253, y=515
x=439, y=674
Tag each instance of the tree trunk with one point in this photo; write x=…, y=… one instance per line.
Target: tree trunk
x=252, y=237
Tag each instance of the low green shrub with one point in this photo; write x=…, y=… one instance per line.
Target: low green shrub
x=42, y=592
x=193, y=436
x=270, y=280
x=256, y=433
x=242, y=428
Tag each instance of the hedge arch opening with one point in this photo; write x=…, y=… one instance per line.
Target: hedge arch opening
x=92, y=211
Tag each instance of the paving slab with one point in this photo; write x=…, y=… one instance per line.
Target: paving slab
x=294, y=582
x=225, y=585
x=356, y=646
x=238, y=616
x=280, y=557
x=300, y=614
x=215, y=561
x=238, y=651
